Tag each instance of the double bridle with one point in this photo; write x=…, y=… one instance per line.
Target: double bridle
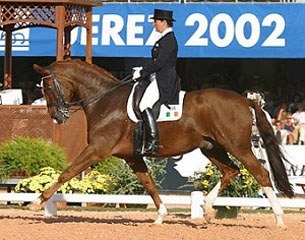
x=62, y=107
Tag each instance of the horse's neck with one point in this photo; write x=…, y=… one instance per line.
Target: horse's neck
x=90, y=89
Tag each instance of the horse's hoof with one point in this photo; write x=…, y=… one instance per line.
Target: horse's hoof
x=209, y=215
x=203, y=225
x=208, y=219
x=158, y=221
x=199, y=223
x=280, y=222
x=282, y=227
x=162, y=212
x=35, y=205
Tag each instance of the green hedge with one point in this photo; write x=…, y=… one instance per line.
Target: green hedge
x=25, y=157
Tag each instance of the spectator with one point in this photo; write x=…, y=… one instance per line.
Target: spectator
x=290, y=127
x=299, y=118
x=281, y=133
x=282, y=113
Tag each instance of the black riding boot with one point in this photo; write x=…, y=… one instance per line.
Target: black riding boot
x=151, y=132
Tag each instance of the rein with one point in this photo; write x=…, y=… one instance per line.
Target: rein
x=126, y=80
x=62, y=106
x=60, y=96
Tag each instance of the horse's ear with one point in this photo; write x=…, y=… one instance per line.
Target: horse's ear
x=40, y=69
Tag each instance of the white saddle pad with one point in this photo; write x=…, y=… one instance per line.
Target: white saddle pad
x=170, y=113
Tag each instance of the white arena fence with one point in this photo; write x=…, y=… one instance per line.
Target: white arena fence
x=195, y=200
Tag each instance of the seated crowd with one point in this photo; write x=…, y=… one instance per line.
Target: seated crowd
x=289, y=126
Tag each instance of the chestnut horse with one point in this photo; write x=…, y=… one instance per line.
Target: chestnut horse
x=217, y=121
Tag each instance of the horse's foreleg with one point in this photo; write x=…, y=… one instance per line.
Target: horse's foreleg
x=151, y=190
x=84, y=160
x=140, y=169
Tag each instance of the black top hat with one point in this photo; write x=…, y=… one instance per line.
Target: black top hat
x=160, y=14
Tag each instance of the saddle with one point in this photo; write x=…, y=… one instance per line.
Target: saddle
x=170, y=112
x=161, y=112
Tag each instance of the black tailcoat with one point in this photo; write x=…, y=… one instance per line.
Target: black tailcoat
x=164, y=58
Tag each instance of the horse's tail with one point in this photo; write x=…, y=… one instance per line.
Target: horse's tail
x=275, y=155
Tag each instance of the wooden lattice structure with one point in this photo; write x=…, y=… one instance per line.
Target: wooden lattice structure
x=63, y=15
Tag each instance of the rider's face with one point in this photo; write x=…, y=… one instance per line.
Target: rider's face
x=160, y=25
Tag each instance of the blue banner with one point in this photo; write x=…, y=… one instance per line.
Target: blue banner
x=203, y=30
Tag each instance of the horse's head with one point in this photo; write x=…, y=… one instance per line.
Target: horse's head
x=55, y=95
x=73, y=82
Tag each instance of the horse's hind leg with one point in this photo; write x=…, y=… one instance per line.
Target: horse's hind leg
x=229, y=171
x=140, y=169
x=262, y=176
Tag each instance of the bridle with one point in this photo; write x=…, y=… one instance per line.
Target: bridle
x=62, y=107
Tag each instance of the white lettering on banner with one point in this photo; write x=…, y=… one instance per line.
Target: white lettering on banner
x=214, y=30
x=220, y=31
x=154, y=35
x=196, y=39
x=240, y=33
x=83, y=32
x=111, y=29
x=205, y=29
x=95, y=29
x=83, y=36
x=133, y=29
x=20, y=40
x=112, y=25
x=274, y=38
x=73, y=37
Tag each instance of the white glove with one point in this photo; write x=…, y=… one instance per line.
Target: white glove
x=136, y=73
